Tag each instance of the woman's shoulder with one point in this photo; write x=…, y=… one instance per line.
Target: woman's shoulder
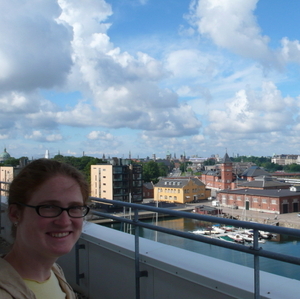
x=4, y=294
x=11, y=283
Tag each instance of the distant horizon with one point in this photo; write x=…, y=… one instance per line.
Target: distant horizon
x=145, y=157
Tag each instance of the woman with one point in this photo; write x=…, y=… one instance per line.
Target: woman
x=47, y=202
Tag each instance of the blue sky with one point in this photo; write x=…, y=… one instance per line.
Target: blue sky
x=149, y=77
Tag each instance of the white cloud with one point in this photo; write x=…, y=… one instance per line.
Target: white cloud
x=42, y=137
x=252, y=113
x=34, y=48
x=290, y=50
x=99, y=135
x=231, y=24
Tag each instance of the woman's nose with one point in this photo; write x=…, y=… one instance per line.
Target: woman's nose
x=63, y=218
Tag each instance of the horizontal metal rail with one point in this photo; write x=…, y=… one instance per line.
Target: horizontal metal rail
x=253, y=250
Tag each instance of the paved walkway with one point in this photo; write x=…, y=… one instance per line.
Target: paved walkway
x=287, y=220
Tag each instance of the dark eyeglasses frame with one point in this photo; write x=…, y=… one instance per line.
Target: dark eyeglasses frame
x=37, y=208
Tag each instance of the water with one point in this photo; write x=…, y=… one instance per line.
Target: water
x=283, y=244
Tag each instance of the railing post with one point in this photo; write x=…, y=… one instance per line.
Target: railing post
x=137, y=254
x=256, y=265
x=78, y=275
x=138, y=273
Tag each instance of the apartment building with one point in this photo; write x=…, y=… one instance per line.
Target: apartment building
x=118, y=180
x=6, y=177
x=286, y=159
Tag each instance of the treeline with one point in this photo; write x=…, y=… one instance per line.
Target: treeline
x=82, y=163
x=151, y=170
x=266, y=163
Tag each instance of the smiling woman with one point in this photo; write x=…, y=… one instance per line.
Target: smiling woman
x=47, y=203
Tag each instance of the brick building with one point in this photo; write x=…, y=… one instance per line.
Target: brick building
x=221, y=178
x=266, y=200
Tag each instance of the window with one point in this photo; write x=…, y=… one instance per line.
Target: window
x=104, y=184
x=175, y=197
x=264, y=200
x=255, y=199
x=104, y=177
x=273, y=201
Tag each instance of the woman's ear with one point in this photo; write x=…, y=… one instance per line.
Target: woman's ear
x=14, y=213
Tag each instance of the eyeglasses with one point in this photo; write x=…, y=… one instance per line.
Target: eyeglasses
x=52, y=211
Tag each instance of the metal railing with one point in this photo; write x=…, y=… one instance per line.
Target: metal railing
x=254, y=250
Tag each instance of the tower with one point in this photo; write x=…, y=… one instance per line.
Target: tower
x=226, y=172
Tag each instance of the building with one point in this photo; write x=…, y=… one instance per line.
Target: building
x=264, y=182
x=252, y=172
x=285, y=159
x=265, y=200
x=221, y=177
x=181, y=190
x=118, y=180
x=148, y=190
x=7, y=174
x=4, y=156
x=208, y=210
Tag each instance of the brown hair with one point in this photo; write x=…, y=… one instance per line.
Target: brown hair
x=32, y=176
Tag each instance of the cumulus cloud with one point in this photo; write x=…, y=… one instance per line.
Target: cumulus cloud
x=99, y=135
x=249, y=112
x=233, y=26
x=123, y=88
x=35, y=49
x=290, y=50
x=43, y=137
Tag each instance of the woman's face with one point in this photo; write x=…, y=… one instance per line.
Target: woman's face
x=50, y=237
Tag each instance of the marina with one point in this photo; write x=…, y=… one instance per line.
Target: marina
x=279, y=243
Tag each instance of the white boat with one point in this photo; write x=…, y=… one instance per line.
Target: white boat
x=249, y=238
x=265, y=235
x=217, y=230
x=237, y=238
x=200, y=232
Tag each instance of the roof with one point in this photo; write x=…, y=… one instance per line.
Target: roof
x=255, y=171
x=262, y=192
x=5, y=155
x=265, y=182
x=148, y=185
x=177, y=183
x=226, y=159
x=211, y=172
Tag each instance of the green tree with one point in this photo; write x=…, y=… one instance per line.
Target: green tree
x=209, y=162
x=163, y=169
x=11, y=162
x=151, y=172
x=292, y=168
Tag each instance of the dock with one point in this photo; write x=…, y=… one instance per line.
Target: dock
x=142, y=215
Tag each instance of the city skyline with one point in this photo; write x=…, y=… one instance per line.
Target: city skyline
x=147, y=77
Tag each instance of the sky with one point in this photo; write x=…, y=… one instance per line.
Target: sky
x=144, y=77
